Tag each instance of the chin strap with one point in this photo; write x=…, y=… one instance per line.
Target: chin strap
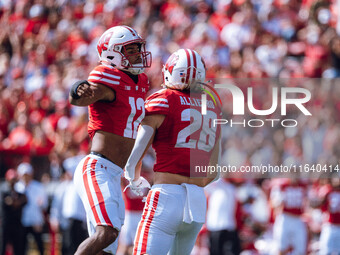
x=136, y=70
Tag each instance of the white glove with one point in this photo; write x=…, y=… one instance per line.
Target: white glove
x=138, y=186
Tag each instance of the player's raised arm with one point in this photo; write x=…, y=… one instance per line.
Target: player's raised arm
x=84, y=93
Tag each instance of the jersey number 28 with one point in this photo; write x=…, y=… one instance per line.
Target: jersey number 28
x=200, y=122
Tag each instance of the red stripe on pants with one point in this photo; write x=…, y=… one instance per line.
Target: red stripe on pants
x=146, y=222
x=88, y=191
x=99, y=194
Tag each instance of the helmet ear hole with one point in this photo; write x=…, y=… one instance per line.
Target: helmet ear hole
x=111, y=57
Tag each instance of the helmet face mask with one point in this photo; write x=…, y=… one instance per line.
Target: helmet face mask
x=184, y=69
x=112, y=49
x=143, y=57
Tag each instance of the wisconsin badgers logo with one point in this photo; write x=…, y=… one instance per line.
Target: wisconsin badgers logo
x=103, y=42
x=170, y=64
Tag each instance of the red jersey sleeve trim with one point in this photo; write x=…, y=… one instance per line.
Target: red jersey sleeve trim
x=155, y=111
x=102, y=75
x=156, y=104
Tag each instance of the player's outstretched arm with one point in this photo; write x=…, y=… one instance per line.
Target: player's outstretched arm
x=84, y=93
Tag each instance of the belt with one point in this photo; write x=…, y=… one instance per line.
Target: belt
x=98, y=154
x=117, y=170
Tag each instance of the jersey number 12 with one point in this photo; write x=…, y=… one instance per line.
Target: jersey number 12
x=130, y=130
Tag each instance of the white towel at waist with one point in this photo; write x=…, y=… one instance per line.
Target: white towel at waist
x=195, y=204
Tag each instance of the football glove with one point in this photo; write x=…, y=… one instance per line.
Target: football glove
x=138, y=186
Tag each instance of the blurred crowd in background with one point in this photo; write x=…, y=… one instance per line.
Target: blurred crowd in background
x=47, y=45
